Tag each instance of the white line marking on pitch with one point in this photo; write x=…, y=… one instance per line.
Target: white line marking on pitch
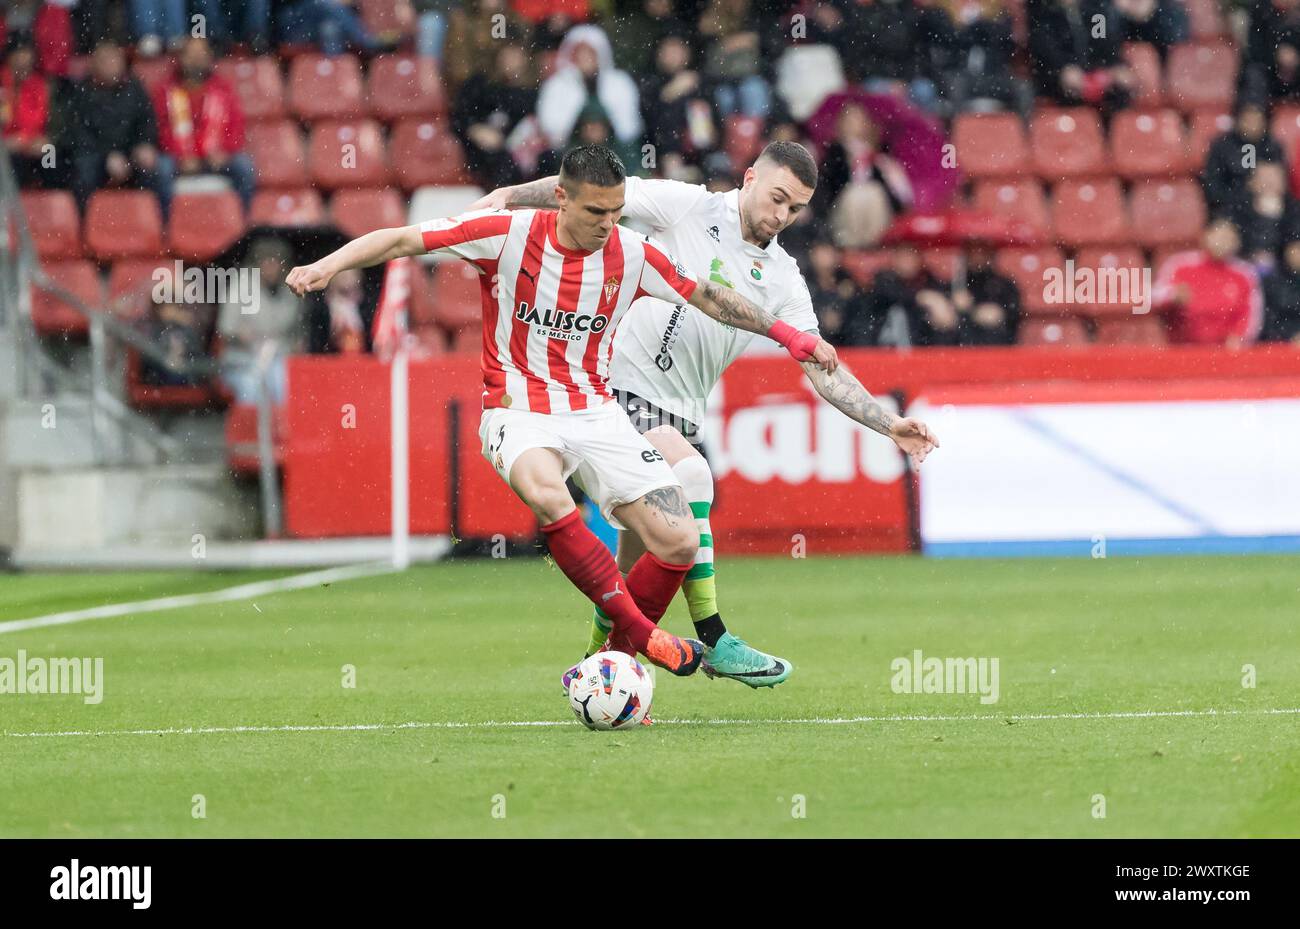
x=816, y=721
x=225, y=595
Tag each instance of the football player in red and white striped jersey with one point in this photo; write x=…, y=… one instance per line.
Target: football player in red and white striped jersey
x=555, y=285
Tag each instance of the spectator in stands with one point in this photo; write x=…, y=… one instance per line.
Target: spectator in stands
x=831, y=287
x=478, y=28
x=180, y=331
x=1211, y=296
x=973, y=46
x=733, y=63
x=889, y=45
x=334, y=25
x=906, y=305
x=201, y=123
x=1072, y=63
x=1162, y=23
x=1266, y=214
x=49, y=26
x=230, y=21
x=676, y=103
x=24, y=115
x=343, y=297
x=989, y=303
x=552, y=19
x=431, y=20
x=1233, y=155
x=861, y=187
x=92, y=20
x=641, y=29
x=488, y=111
x=1282, y=298
x=266, y=332
x=109, y=130
x=1272, y=54
x=586, y=83
x=155, y=22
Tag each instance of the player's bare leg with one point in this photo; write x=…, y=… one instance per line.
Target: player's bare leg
x=725, y=654
x=537, y=477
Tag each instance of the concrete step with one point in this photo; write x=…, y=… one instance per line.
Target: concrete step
x=58, y=432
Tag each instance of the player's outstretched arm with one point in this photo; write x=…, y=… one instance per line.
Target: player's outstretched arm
x=370, y=249
x=539, y=194
x=845, y=392
x=727, y=306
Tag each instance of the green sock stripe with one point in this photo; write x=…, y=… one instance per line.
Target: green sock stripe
x=700, y=571
x=706, y=541
x=601, y=619
x=700, y=510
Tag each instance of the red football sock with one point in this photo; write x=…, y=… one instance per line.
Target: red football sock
x=653, y=584
x=588, y=564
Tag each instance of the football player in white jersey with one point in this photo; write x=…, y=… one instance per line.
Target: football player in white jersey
x=667, y=359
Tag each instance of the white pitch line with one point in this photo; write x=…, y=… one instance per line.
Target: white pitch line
x=510, y=724
x=225, y=595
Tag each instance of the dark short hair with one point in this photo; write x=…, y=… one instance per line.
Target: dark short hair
x=794, y=156
x=591, y=164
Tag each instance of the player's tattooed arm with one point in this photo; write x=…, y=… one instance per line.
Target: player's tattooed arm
x=539, y=193
x=727, y=306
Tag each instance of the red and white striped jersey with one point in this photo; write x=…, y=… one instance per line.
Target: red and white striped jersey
x=549, y=313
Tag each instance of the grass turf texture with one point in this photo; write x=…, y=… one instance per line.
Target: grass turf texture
x=483, y=640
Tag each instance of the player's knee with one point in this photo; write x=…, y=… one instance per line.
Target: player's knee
x=547, y=500
x=696, y=478
x=677, y=545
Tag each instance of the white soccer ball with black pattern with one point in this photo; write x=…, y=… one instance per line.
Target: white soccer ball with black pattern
x=611, y=691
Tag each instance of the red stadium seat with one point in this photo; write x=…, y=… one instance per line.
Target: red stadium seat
x=258, y=83
x=941, y=262
x=326, y=87
x=1148, y=144
x=357, y=212
x=176, y=397
x=864, y=265
x=348, y=154
x=1066, y=331
x=1132, y=330
x=1201, y=74
x=131, y=283
x=1022, y=200
x=1090, y=213
x=457, y=293
x=405, y=85
x=51, y=316
x=1067, y=143
x=1167, y=212
x=54, y=223
x=277, y=150
x=123, y=224
x=1144, y=61
x=1026, y=266
x=1205, y=18
x=1105, y=259
x=1207, y=125
x=301, y=207
x=742, y=140
x=990, y=144
x=425, y=152
x=202, y=226
x=1286, y=127
x=153, y=71
x=380, y=18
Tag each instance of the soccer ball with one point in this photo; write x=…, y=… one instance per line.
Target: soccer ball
x=611, y=691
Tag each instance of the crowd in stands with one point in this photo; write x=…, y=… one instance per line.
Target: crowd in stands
x=131, y=95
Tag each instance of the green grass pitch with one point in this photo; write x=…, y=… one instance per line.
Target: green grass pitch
x=452, y=646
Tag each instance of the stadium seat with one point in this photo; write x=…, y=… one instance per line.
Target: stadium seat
x=426, y=152
x=1103, y=259
x=864, y=265
x=990, y=144
x=1148, y=144
x=1089, y=213
x=1207, y=125
x=457, y=295
x=1286, y=127
x=1133, y=330
x=326, y=87
x=301, y=207
x=277, y=151
x=405, y=85
x=742, y=140
x=153, y=71
x=1068, y=331
x=172, y=397
x=123, y=224
x=1144, y=61
x=941, y=262
x=130, y=285
x=51, y=316
x=258, y=83
x=241, y=437
x=348, y=154
x=1026, y=266
x=380, y=17
x=1201, y=74
x=1205, y=18
x=1163, y=253
x=1020, y=199
x=1166, y=212
x=357, y=212
x=54, y=223
x=202, y=226
x=1067, y=143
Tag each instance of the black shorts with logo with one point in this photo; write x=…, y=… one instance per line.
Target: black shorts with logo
x=646, y=416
